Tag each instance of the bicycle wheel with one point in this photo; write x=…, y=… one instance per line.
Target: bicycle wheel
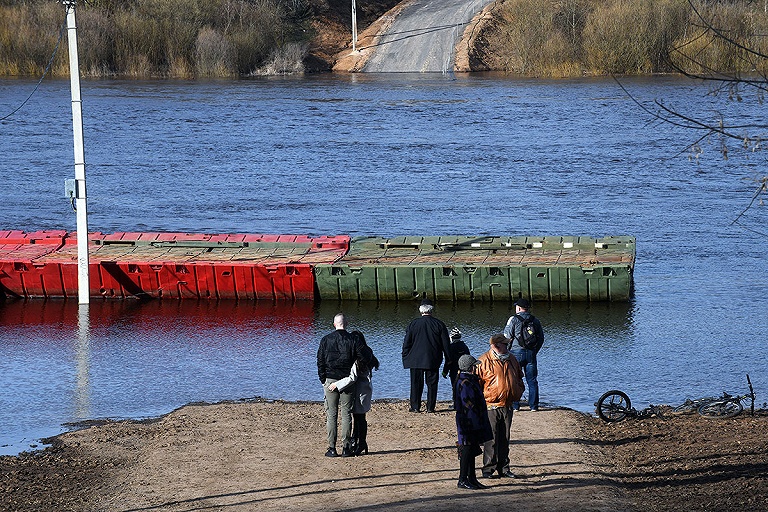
x=721, y=409
x=690, y=406
x=613, y=406
x=686, y=407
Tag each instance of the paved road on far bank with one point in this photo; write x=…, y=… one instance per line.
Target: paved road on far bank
x=422, y=38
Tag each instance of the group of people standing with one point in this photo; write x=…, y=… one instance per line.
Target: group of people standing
x=344, y=364
x=486, y=390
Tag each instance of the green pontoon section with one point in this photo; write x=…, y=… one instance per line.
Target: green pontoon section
x=459, y=268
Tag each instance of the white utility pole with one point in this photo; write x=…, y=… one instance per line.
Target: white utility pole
x=354, y=26
x=79, y=197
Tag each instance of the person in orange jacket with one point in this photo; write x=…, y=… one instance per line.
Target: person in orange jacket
x=502, y=382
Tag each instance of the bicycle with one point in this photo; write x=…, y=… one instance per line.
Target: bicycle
x=692, y=405
x=728, y=406
x=615, y=405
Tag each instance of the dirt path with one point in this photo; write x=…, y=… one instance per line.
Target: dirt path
x=269, y=456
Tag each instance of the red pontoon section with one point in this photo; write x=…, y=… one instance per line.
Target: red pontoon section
x=167, y=265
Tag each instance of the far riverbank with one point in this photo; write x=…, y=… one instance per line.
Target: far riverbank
x=185, y=39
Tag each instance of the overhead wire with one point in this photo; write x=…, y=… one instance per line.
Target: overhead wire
x=45, y=72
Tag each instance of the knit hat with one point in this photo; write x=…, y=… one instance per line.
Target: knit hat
x=466, y=362
x=455, y=333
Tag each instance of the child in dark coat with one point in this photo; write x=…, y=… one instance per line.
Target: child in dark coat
x=456, y=349
x=472, y=424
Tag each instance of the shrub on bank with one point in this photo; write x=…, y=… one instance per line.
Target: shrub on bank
x=745, y=23
x=634, y=37
x=144, y=38
x=28, y=34
x=553, y=38
x=573, y=37
x=538, y=38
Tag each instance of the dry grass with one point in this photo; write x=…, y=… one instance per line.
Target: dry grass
x=701, y=50
x=26, y=48
x=286, y=60
x=226, y=38
x=150, y=38
x=558, y=38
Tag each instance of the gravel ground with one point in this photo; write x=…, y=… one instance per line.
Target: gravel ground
x=269, y=455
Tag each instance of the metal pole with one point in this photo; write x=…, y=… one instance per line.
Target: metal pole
x=354, y=26
x=77, y=130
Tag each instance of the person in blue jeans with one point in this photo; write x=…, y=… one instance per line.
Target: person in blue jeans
x=523, y=352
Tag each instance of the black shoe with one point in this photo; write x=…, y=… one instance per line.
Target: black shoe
x=331, y=453
x=487, y=475
x=413, y=410
x=361, y=447
x=431, y=411
x=347, y=452
x=477, y=484
x=506, y=474
x=466, y=484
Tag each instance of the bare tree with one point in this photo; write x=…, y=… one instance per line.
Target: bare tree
x=731, y=84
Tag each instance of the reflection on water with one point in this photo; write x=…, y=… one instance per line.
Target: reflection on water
x=83, y=356
x=134, y=359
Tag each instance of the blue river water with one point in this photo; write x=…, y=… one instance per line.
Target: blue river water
x=382, y=155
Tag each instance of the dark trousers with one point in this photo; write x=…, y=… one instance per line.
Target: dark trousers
x=454, y=375
x=360, y=429
x=496, y=451
x=418, y=377
x=467, y=462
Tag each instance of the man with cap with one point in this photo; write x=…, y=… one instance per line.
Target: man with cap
x=526, y=356
x=457, y=348
x=426, y=341
x=502, y=383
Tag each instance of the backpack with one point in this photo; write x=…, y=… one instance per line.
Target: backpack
x=529, y=336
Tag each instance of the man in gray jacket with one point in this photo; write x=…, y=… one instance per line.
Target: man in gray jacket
x=426, y=341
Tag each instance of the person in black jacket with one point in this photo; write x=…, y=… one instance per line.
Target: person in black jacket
x=426, y=340
x=457, y=349
x=336, y=354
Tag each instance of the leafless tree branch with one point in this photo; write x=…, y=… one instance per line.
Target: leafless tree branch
x=730, y=83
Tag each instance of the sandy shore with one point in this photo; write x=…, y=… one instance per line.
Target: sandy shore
x=264, y=455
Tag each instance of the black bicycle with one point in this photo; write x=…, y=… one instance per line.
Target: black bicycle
x=729, y=406
x=615, y=405
x=692, y=405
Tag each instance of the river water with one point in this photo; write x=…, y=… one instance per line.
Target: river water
x=383, y=155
